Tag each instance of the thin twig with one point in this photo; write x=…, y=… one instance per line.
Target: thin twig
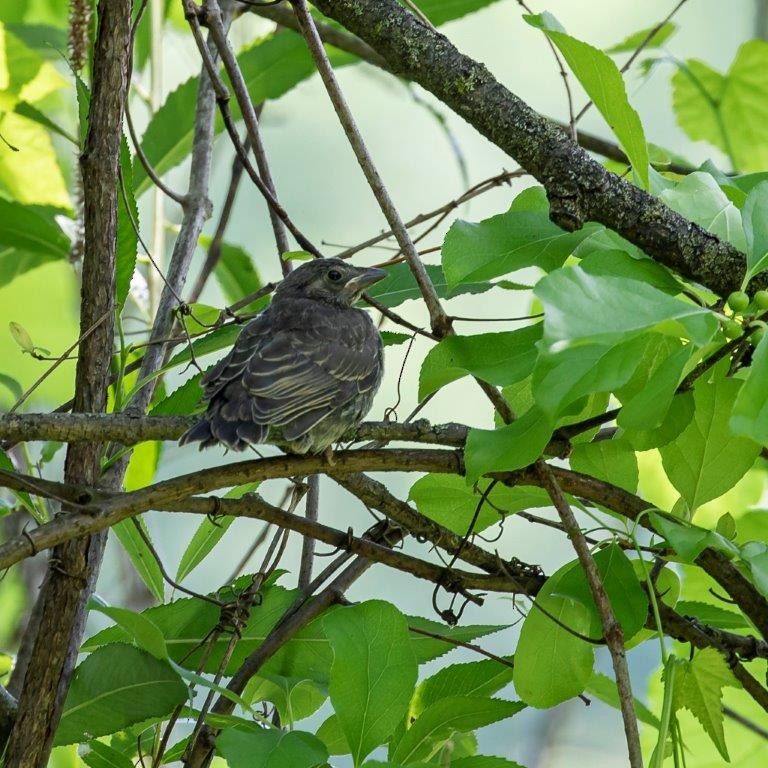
x=308, y=545
x=438, y=319
x=612, y=631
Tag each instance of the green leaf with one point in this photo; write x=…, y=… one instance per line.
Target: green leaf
x=659, y=35
x=563, y=378
x=181, y=401
x=21, y=496
x=373, y=673
x=270, y=748
x=729, y=111
x=391, y=339
x=551, y=664
x=649, y=407
x=513, y=446
x=699, y=198
x=140, y=555
x=429, y=648
x=699, y=687
x=619, y=263
x=295, y=699
x=31, y=112
x=476, y=252
x=237, y=276
x=101, y=755
x=220, y=338
x=440, y=720
x=441, y=11
x=612, y=460
x=628, y=599
x=127, y=225
x=448, y=500
x=678, y=417
x=713, y=615
x=484, y=761
x=331, y=735
x=145, y=633
x=401, y=286
x=208, y=534
x=33, y=229
x=754, y=216
x=476, y=678
x=750, y=410
x=114, y=687
x=580, y=307
x=688, y=540
x=498, y=358
x=604, y=85
x=707, y=459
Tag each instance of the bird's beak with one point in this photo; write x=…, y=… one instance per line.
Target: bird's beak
x=358, y=284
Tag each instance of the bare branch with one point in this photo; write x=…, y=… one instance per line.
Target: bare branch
x=612, y=630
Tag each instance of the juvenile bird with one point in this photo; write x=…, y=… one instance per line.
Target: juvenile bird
x=309, y=364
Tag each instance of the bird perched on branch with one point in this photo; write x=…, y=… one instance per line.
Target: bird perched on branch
x=309, y=364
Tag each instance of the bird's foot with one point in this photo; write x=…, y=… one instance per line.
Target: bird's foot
x=328, y=456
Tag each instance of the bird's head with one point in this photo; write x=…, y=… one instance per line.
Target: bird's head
x=332, y=281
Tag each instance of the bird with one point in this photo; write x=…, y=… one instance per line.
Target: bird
x=309, y=364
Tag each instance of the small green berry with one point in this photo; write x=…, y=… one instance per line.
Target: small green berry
x=732, y=329
x=761, y=299
x=738, y=301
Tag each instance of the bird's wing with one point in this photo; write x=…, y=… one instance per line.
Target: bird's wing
x=299, y=378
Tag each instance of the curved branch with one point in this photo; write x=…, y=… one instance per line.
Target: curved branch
x=579, y=188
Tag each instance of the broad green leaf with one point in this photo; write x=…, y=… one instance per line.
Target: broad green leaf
x=32, y=229
x=484, y=761
x=21, y=496
x=628, y=599
x=476, y=678
x=707, y=459
x=562, y=378
x=619, y=263
x=498, y=358
x=332, y=736
x=513, y=446
x=401, y=286
x=32, y=175
x=101, y=755
x=295, y=699
x=181, y=401
x=114, y=687
x=448, y=500
x=611, y=460
x=580, y=307
x=237, y=276
x=208, y=534
x=429, y=648
x=440, y=720
x=140, y=555
x=270, y=748
x=143, y=465
x=25, y=109
x=678, y=417
x=390, y=338
x=220, y=338
x=713, y=615
x=659, y=34
x=373, y=673
x=699, y=198
x=648, y=408
x=604, y=688
x=754, y=216
x=699, y=687
x=476, y=252
x=602, y=81
x=552, y=665
x=729, y=111
x=750, y=410
x=688, y=540
x=441, y=11
x=145, y=633
x=127, y=226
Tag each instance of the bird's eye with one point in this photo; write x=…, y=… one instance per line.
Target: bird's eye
x=334, y=275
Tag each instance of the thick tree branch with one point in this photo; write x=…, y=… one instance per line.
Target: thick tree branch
x=579, y=188
x=74, y=565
